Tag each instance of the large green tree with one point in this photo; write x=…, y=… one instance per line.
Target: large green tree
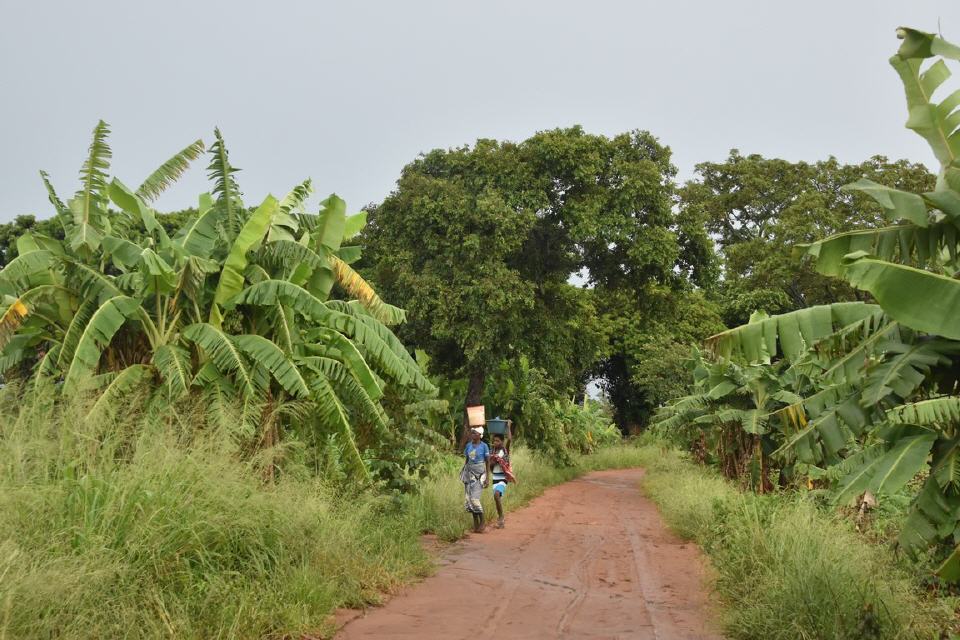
x=759, y=208
x=480, y=244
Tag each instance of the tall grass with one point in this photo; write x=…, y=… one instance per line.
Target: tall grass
x=158, y=525
x=785, y=568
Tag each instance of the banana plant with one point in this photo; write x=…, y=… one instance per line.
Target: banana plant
x=868, y=404
x=238, y=303
x=730, y=411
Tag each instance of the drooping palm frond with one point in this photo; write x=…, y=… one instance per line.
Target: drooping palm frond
x=331, y=413
x=168, y=173
x=349, y=387
x=127, y=381
x=915, y=298
x=173, y=364
x=90, y=281
x=287, y=254
x=270, y=293
x=354, y=284
x=352, y=359
x=225, y=356
x=379, y=344
x=887, y=473
x=23, y=266
x=14, y=311
x=281, y=367
x=681, y=412
x=931, y=517
x=790, y=333
x=904, y=369
x=906, y=244
x=97, y=334
x=15, y=351
x=941, y=411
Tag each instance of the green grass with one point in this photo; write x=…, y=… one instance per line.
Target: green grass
x=150, y=528
x=786, y=568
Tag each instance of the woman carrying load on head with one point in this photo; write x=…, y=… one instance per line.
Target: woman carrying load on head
x=500, y=470
x=475, y=475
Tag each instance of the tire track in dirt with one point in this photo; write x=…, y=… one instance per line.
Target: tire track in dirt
x=590, y=558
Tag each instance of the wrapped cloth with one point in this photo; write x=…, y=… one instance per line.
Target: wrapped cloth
x=473, y=475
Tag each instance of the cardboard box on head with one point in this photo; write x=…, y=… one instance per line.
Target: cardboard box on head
x=476, y=416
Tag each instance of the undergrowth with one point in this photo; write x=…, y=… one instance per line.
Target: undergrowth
x=158, y=525
x=786, y=568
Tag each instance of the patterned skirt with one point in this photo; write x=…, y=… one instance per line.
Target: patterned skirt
x=472, y=476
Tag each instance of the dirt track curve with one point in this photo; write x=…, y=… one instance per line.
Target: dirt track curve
x=590, y=558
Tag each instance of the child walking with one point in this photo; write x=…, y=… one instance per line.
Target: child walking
x=475, y=476
x=500, y=472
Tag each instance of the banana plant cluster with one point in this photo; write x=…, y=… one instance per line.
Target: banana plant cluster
x=236, y=304
x=863, y=394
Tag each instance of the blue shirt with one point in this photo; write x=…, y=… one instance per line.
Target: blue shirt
x=477, y=452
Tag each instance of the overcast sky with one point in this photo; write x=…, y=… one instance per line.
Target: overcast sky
x=347, y=93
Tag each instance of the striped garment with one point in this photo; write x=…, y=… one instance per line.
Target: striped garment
x=497, y=472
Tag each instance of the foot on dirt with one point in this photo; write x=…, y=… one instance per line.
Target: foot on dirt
x=500, y=523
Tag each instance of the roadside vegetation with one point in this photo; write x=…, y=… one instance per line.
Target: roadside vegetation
x=160, y=525
x=231, y=420
x=784, y=565
x=841, y=417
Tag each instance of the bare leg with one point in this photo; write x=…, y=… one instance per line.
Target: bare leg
x=497, y=499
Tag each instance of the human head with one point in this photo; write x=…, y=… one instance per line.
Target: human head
x=476, y=433
x=497, y=440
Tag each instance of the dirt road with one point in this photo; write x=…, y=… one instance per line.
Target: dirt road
x=588, y=559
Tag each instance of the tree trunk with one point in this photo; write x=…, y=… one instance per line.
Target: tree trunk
x=474, y=397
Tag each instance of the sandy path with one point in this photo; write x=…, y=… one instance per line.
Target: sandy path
x=588, y=559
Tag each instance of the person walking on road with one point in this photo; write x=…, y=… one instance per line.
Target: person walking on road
x=475, y=476
x=500, y=472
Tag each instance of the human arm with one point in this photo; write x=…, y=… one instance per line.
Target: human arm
x=486, y=479
x=509, y=438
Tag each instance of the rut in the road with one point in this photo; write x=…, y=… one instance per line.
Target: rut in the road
x=588, y=559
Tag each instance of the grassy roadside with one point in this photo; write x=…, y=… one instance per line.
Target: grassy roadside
x=163, y=533
x=785, y=568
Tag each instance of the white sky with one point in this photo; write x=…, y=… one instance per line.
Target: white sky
x=347, y=93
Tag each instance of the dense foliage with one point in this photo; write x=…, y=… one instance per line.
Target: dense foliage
x=236, y=305
x=758, y=209
x=480, y=243
x=859, y=397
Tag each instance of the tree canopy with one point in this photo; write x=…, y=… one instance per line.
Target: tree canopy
x=480, y=244
x=758, y=208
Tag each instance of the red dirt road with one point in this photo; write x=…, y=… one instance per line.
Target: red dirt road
x=590, y=558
